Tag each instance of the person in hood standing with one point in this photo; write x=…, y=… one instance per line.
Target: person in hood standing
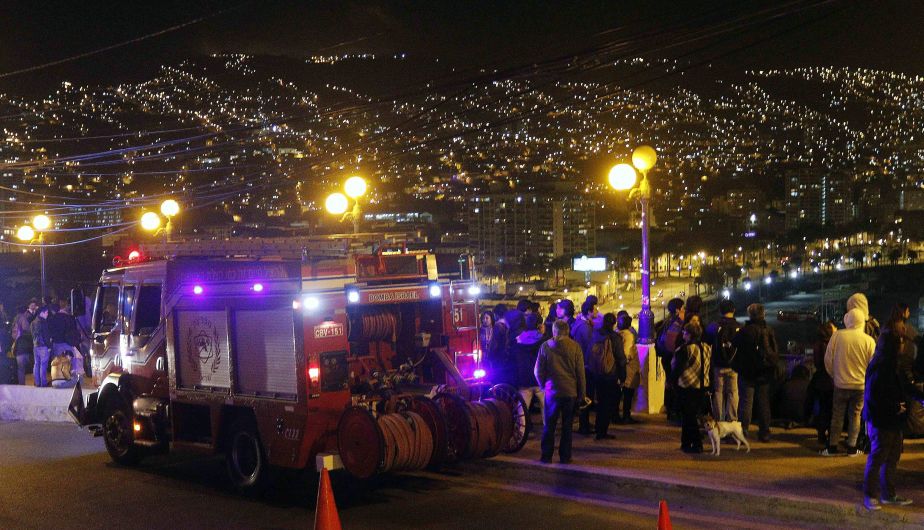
x=560, y=372
x=524, y=351
x=870, y=324
x=886, y=406
x=848, y=354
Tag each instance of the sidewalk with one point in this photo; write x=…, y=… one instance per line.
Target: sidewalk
x=785, y=479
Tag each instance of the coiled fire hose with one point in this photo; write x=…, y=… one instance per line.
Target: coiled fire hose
x=408, y=441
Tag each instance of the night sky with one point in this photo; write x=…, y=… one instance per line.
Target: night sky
x=882, y=34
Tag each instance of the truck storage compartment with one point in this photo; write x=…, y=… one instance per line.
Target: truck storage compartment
x=202, y=352
x=264, y=352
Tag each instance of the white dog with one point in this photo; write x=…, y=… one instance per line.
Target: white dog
x=720, y=429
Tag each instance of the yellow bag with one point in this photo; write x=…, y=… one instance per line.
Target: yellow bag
x=61, y=368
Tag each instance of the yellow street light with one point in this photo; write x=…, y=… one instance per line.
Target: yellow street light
x=41, y=222
x=622, y=177
x=644, y=157
x=355, y=187
x=169, y=208
x=336, y=203
x=25, y=233
x=150, y=221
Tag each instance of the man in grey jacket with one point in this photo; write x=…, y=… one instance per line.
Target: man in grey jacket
x=560, y=372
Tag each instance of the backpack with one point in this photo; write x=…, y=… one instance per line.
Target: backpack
x=602, y=360
x=666, y=343
x=722, y=348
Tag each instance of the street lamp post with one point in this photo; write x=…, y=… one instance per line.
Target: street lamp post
x=151, y=221
x=26, y=233
x=338, y=204
x=623, y=177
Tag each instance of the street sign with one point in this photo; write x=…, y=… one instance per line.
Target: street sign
x=585, y=264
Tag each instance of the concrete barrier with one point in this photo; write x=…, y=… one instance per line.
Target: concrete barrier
x=29, y=403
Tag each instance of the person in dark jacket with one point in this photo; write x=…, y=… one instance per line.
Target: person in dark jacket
x=886, y=407
x=582, y=331
x=668, y=339
x=607, y=363
x=913, y=386
x=41, y=341
x=755, y=362
x=524, y=351
x=821, y=387
x=560, y=373
x=690, y=373
x=485, y=332
x=720, y=335
x=497, y=350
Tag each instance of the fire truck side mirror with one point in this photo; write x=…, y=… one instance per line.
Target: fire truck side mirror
x=78, y=303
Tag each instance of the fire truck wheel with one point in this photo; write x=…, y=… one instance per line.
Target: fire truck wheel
x=118, y=436
x=246, y=459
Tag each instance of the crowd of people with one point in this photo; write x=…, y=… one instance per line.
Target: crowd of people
x=570, y=362
x=582, y=362
x=45, y=336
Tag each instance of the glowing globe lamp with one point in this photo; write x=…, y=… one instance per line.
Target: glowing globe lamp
x=169, y=208
x=41, y=222
x=150, y=221
x=644, y=157
x=25, y=233
x=355, y=187
x=336, y=203
x=622, y=177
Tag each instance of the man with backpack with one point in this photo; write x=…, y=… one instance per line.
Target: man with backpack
x=756, y=359
x=668, y=340
x=720, y=335
x=607, y=366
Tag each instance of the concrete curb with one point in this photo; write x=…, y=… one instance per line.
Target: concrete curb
x=29, y=403
x=594, y=482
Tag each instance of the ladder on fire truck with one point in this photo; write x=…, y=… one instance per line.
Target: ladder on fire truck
x=294, y=248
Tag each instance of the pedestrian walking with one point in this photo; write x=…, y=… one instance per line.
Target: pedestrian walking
x=559, y=371
x=525, y=351
x=633, y=374
x=886, y=408
x=41, y=340
x=756, y=362
x=607, y=366
x=846, y=358
x=690, y=372
x=720, y=335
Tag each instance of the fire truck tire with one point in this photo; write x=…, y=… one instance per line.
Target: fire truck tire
x=246, y=461
x=520, y=411
x=118, y=435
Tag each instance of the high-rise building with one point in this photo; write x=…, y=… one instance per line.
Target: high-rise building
x=817, y=197
x=505, y=227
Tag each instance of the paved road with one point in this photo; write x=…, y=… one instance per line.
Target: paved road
x=55, y=476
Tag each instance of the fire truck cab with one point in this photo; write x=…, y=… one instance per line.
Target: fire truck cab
x=259, y=359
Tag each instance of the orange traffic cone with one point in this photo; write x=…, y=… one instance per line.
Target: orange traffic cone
x=325, y=513
x=664, y=517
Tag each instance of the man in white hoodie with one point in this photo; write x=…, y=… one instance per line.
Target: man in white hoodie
x=846, y=358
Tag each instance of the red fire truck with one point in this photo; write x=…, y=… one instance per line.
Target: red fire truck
x=366, y=360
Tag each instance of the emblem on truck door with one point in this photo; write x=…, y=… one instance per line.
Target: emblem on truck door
x=203, y=346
